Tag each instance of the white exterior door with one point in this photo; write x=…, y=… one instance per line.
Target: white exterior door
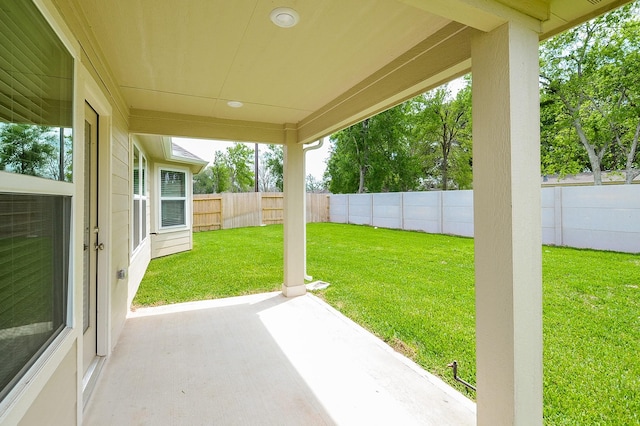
x=91, y=238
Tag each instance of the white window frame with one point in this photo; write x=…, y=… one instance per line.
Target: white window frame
x=187, y=192
x=142, y=195
x=47, y=361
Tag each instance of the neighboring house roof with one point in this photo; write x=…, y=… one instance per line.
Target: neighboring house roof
x=163, y=149
x=585, y=179
x=179, y=151
x=177, y=154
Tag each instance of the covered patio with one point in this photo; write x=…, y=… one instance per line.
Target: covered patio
x=264, y=359
x=287, y=73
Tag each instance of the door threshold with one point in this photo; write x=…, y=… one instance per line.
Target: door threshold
x=90, y=379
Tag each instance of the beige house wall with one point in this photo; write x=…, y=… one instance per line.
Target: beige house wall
x=170, y=243
x=120, y=227
x=56, y=402
x=52, y=390
x=139, y=262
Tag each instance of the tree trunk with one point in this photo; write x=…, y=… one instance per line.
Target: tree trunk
x=445, y=170
x=630, y=171
x=361, y=181
x=594, y=159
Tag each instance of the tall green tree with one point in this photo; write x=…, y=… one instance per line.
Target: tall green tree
x=220, y=173
x=443, y=135
x=240, y=165
x=202, y=182
x=27, y=149
x=215, y=178
x=374, y=155
x=590, y=78
x=274, y=160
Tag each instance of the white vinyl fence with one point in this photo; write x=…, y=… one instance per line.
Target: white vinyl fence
x=598, y=217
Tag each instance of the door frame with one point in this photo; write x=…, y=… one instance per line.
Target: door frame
x=93, y=95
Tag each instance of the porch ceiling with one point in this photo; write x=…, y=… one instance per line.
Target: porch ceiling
x=177, y=66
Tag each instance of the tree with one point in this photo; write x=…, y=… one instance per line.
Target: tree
x=52, y=167
x=313, y=184
x=592, y=73
x=266, y=180
x=374, y=155
x=274, y=160
x=203, y=182
x=220, y=173
x=240, y=162
x=444, y=131
x=27, y=149
x=215, y=178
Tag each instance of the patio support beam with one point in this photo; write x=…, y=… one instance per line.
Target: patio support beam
x=508, y=235
x=294, y=214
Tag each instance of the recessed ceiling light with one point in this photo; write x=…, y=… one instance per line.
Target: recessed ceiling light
x=284, y=17
x=235, y=104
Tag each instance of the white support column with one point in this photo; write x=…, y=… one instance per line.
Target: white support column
x=294, y=216
x=507, y=218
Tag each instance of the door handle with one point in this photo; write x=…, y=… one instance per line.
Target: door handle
x=99, y=246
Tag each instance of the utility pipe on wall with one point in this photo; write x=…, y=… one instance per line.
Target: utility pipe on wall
x=308, y=148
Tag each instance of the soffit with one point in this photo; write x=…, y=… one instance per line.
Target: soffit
x=567, y=14
x=194, y=56
x=177, y=64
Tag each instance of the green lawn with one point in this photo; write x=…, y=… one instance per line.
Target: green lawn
x=415, y=291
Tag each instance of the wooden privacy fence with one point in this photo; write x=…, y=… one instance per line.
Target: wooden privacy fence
x=225, y=211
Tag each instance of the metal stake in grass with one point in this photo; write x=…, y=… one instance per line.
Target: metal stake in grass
x=454, y=365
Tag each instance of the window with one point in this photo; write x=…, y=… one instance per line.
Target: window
x=173, y=198
x=34, y=259
x=36, y=94
x=140, y=198
x=36, y=116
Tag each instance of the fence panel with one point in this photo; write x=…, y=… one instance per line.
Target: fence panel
x=387, y=210
x=602, y=217
x=237, y=210
x=457, y=213
x=241, y=210
x=339, y=208
x=423, y=211
x=207, y=212
x=360, y=209
x=597, y=217
x=272, y=208
x=318, y=208
x=552, y=216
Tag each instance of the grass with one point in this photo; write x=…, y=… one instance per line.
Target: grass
x=416, y=291
x=222, y=264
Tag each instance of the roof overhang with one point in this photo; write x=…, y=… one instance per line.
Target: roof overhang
x=173, y=69
x=162, y=149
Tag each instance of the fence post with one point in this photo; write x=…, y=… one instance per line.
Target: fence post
x=371, y=210
x=557, y=216
x=441, y=208
x=402, y=210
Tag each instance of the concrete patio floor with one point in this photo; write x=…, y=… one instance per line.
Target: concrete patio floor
x=264, y=360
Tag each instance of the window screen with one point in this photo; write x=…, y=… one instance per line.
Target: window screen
x=34, y=259
x=173, y=198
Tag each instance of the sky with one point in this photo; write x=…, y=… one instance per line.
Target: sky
x=205, y=149
x=316, y=159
